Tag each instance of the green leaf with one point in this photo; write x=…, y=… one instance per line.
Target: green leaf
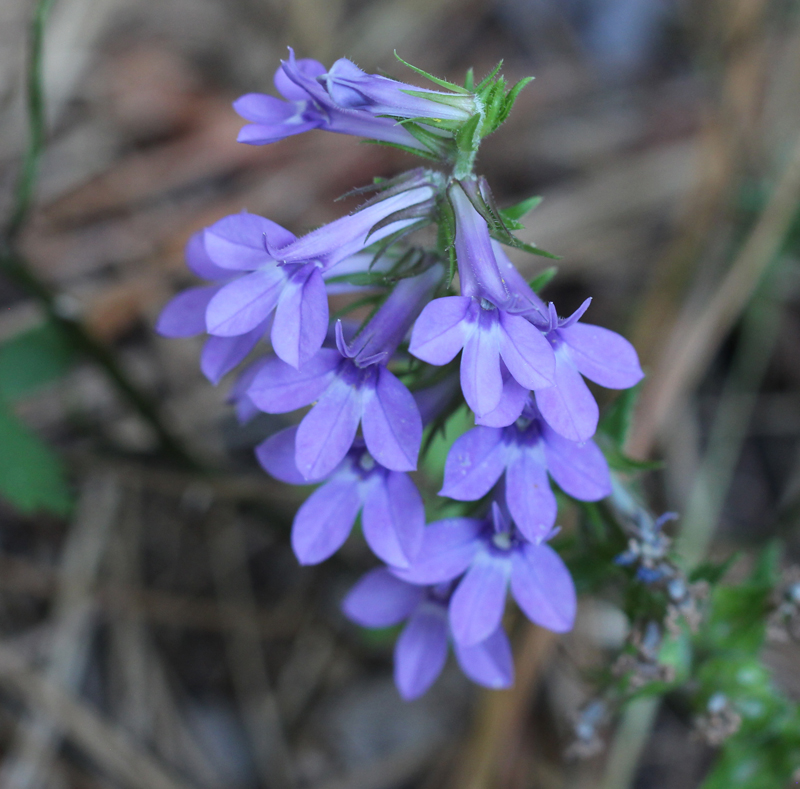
x=518, y=210
x=619, y=461
x=714, y=572
x=31, y=475
x=617, y=420
x=33, y=359
x=541, y=280
x=441, y=437
x=441, y=82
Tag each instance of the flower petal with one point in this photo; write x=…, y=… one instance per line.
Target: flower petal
x=489, y=663
x=278, y=387
x=394, y=518
x=380, y=599
x=474, y=464
x=481, y=378
x=185, y=314
x=221, y=354
x=448, y=547
x=239, y=241
x=301, y=319
x=509, y=409
x=441, y=330
x=276, y=456
x=306, y=67
x=420, y=653
x=580, y=470
x=568, y=406
x=324, y=520
x=198, y=261
x=526, y=352
x=543, y=587
x=477, y=605
x=603, y=356
x=243, y=304
x=530, y=500
x=264, y=134
x=391, y=423
x=327, y=430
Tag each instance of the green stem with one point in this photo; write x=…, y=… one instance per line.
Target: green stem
x=36, y=118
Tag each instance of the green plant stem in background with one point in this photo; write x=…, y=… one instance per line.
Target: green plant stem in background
x=14, y=265
x=36, y=119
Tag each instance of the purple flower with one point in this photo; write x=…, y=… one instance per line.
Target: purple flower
x=504, y=354
x=393, y=515
x=308, y=106
x=526, y=452
x=601, y=355
x=352, y=385
x=380, y=599
x=351, y=88
x=492, y=554
x=286, y=274
x=185, y=316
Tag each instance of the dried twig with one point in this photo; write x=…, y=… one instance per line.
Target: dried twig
x=73, y=616
x=109, y=747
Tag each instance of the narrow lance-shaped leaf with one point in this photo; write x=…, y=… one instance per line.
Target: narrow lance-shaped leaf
x=541, y=280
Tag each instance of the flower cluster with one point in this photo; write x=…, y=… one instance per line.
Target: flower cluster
x=372, y=388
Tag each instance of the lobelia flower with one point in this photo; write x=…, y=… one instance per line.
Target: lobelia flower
x=504, y=354
x=308, y=106
x=351, y=88
x=392, y=512
x=526, y=451
x=380, y=599
x=352, y=385
x=603, y=356
x=491, y=554
x=185, y=315
x=286, y=275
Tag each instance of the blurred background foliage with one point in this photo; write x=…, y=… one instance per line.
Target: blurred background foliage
x=155, y=630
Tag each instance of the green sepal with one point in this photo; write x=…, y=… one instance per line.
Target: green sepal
x=542, y=280
x=465, y=138
x=469, y=79
x=438, y=98
x=31, y=475
x=512, y=96
x=493, y=105
x=480, y=195
x=443, y=83
x=488, y=78
x=440, y=146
